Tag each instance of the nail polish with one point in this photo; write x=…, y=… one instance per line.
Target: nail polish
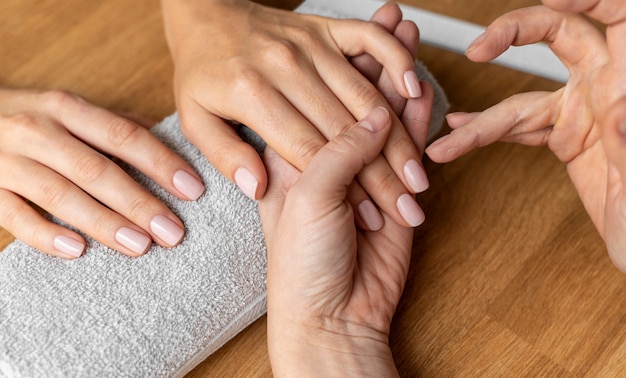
x=68, y=246
x=412, y=84
x=133, y=240
x=370, y=215
x=410, y=210
x=247, y=182
x=415, y=176
x=167, y=230
x=188, y=185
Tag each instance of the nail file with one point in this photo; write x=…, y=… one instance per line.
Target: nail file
x=450, y=34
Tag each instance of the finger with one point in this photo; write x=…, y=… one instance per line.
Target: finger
x=126, y=140
x=234, y=158
x=98, y=176
x=29, y=226
x=333, y=169
x=459, y=119
x=606, y=11
x=518, y=114
x=355, y=37
x=407, y=33
x=281, y=177
x=416, y=118
x=60, y=197
x=388, y=16
x=536, y=24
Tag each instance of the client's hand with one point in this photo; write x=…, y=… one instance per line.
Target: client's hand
x=51, y=153
x=285, y=75
x=582, y=123
x=332, y=288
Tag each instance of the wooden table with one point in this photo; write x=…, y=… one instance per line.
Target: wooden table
x=508, y=277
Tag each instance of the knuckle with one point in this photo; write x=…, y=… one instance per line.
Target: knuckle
x=122, y=132
x=249, y=82
x=365, y=95
x=10, y=218
x=386, y=182
x=305, y=152
x=91, y=168
x=54, y=193
x=140, y=208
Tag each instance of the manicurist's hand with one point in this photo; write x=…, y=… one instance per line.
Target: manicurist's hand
x=332, y=288
x=52, y=147
x=286, y=76
x=582, y=123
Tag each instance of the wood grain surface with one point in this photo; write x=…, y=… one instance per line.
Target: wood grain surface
x=508, y=276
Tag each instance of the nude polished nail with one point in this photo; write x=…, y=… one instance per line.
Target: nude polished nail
x=133, y=240
x=410, y=210
x=415, y=176
x=167, y=230
x=69, y=246
x=370, y=215
x=247, y=182
x=412, y=84
x=188, y=185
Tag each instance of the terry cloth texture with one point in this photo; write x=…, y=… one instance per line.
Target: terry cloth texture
x=159, y=315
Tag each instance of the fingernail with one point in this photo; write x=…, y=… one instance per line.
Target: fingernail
x=376, y=120
x=247, y=182
x=133, y=240
x=476, y=42
x=370, y=215
x=412, y=84
x=438, y=141
x=188, y=185
x=410, y=210
x=415, y=176
x=167, y=230
x=69, y=246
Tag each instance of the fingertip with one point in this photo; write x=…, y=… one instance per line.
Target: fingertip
x=189, y=185
x=376, y=120
x=69, y=247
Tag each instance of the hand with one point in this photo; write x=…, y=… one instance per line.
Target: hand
x=332, y=289
x=580, y=123
x=285, y=75
x=51, y=153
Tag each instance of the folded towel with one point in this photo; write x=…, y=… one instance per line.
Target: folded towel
x=158, y=315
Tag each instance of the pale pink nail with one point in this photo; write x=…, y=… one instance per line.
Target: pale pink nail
x=412, y=84
x=476, y=42
x=415, y=176
x=69, y=246
x=370, y=215
x=410, y=210
x=188, y=185
x=167, y=230
x=246, y=181
x=133, y=240
x=375, y=120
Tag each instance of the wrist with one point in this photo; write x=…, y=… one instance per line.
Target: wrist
x=329, y=348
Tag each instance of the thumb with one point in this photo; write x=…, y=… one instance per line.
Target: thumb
x=333, y=168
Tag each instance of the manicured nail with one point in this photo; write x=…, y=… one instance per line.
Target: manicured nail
x=410, y=210
x=438, y=141
x=247, y=182
x=133, y=240
x=188, y=185
x=69, y=246
x=370, y=215
x=415, y=176
x=412, y=84
x=167, y=230
x=376, y=120
x=476, y=42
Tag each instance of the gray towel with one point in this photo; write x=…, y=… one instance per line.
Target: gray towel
x=158, y=315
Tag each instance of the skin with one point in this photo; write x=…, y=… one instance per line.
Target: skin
x=78, y=183
x=584, y=123
x=333, y=287
x=286, y=76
